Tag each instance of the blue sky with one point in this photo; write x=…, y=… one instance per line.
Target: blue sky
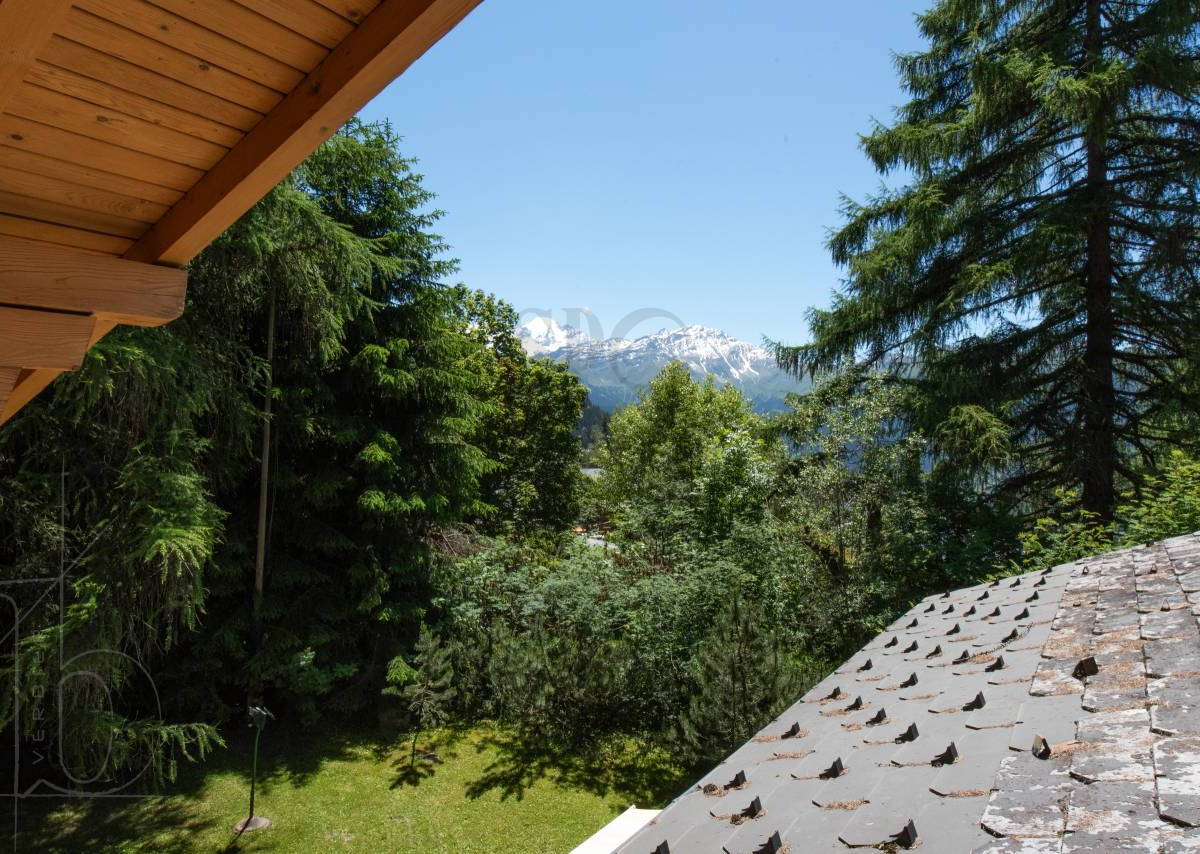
x=676, y=155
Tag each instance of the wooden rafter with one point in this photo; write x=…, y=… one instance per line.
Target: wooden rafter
x=100, y=291
x=8, y=379
x=33, y=380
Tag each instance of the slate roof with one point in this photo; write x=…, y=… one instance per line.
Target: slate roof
x=978, y=723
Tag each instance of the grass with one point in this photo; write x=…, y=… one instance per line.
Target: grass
x=490, y=791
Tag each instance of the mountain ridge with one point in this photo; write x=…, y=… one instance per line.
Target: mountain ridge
x=615, y=369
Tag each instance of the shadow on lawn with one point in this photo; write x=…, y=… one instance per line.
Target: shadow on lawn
x=638, y=774
x=100, y=824
x=92, y=824
x=419, y=761
x=625, y=768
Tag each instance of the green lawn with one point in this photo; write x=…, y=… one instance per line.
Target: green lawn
x=490, y=792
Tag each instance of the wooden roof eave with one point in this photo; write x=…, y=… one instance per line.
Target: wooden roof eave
x=141, y=287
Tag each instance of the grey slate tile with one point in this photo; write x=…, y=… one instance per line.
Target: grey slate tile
x=1190, y=582
x=1124, y=691
x=1158, y=624
x=1113, y=761
x=874, y=824
x=1053, y=678
x=951, y=825
x=1052, y=717
x=855, y=785
x=751, y=837
x=1117, y=816
x=1184, y=842
x=1173, y=719
x=815, y=764
x=1020, y=846
x=980, y=754
x=1028, y=798
x=704, y=839
x=1172, y=657
x=1177, y=763
x=1114, y=726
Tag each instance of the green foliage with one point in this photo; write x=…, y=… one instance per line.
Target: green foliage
x=528, y=631
x=373, y=431
x=379, y=445
x=430, y=690
x=532, y=407
x=592, y=430
x=743, y=679
x=855, y=502
x=557, y=683
x=427, y=689
x=973, y=440
x=1034, y=279
x=822, y=523
x=1167, y=505
x=856, y=481
x=1069, y=534
x=687, y=463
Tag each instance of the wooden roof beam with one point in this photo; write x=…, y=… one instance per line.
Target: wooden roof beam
x=100, y=291
x=46, y=276
x=30, y=381
x=389, y=40
x=44, y=339
x=8, y=379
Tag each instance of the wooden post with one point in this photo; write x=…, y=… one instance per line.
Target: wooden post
x=260, y=551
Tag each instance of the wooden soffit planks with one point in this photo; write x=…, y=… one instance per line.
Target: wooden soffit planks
x=391, y=38
x=26, y=26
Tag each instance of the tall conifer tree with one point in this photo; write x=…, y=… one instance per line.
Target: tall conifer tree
x=1037, y=276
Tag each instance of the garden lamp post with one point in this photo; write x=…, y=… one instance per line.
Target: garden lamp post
x=258, y=720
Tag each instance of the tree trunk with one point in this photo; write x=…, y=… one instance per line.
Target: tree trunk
x=1099, y=450
x=260, y=552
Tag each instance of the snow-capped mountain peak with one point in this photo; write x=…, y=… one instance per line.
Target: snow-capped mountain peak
x=544, y=335
x=614, y=369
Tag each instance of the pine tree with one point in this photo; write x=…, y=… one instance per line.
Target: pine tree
x=427, y=689
x=743, y=678
x=1039, y=271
